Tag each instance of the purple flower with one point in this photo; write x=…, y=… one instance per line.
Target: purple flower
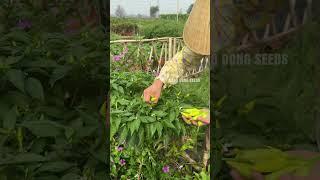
x=156, y=74
x=120, y=148
x=122, y=162
x=166, y=169
x=24, y=24
x=117, y=57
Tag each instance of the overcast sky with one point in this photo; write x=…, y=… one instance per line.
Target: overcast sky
x=134, y=7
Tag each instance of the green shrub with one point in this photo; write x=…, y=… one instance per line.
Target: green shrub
x=124, y=28
x=51, y=89
x=182, y=17
x=163, y=29
x=150, y=135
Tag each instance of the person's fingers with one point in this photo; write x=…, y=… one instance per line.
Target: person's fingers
x=146, y=96
x=184, y=118
x=235, y=175
x=204, y=120
x=194, y=123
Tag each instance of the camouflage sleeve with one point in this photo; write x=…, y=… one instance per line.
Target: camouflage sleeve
x=174, y=69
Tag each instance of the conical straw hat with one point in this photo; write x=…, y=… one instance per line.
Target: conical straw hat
x=196, y=34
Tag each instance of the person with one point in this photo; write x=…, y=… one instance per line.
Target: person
x=196, y=36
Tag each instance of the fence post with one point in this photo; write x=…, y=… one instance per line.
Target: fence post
x=166, y=52
x=174, y=46
x=170, y=48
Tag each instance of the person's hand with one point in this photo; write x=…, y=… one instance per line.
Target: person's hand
x=153, y=91
x=314, y=173
x=203, y=120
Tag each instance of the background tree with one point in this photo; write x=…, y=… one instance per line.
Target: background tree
x=120, y=12
x=153, y=11
x=189, y=8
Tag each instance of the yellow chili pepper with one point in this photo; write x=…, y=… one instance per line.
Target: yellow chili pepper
x=194, y=114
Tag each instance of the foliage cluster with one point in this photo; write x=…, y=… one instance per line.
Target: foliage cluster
x=182, y=17
x=51, y=88
x=152, y=137
x=124, y=28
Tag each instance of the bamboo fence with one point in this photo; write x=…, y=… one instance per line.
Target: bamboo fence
x=168, y=48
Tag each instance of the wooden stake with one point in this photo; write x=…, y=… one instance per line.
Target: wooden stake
x=174, y=46
x=170, y=48
x=287, y=23
x=267, y=32
x=166, y=52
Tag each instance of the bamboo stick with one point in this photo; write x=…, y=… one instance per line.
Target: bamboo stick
x=178, y=49
x=267, y=32
x=166, y=52
x=273, y=25
x=268, y=40
x=150, y=56
x=160, y=59
x=207, y=148
x=138, y=53
x=155, y=51
x=142, y=40
x=287, y=23
x=170, y=48
x=174, y=46
x=305, y=16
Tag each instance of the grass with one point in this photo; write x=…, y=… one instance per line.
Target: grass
x=149, y=28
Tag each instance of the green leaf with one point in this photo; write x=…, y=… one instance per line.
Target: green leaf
x=23, y=158
x=16, y=98
x=123, y=102
x=55, y=167
x=34, y=88
x=48, y=177
x=168, y=124
x=40, y=63
x=43, y=128
x=10, y=118
x=11, y=60
x=134, y=125
x=16, y=77
x=58, y=74
x=160, y=113
x=70, y=176
x=86, y=131
x=147, y=119
x=219, y=103
x=141, y=135
x=68, y=132
x=172, y=115
x=114, y=126
x=124, y=134
x=159, y=128
x=152, y=129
